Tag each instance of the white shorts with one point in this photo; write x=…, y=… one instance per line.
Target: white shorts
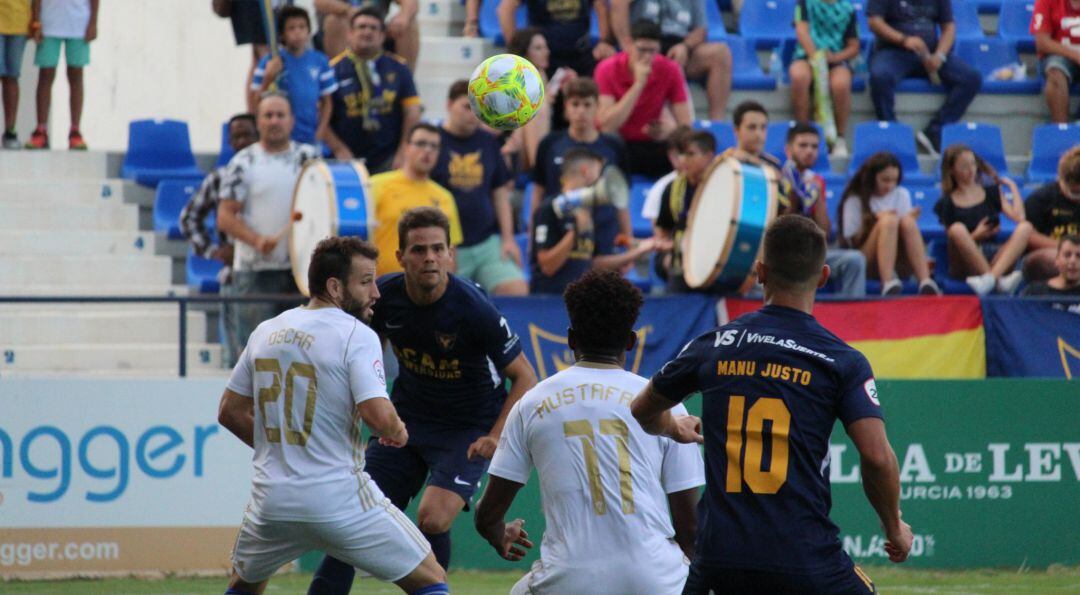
x=664, y=577
x=381, y=541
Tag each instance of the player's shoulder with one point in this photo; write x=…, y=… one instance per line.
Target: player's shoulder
x=468, y=293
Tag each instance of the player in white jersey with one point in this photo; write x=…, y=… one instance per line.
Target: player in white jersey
x=306, y=381
x=606, y=485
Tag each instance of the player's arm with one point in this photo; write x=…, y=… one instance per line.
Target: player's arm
x=653, y=411
x=522, y=378
x=237, y=413
x=881, y=482
x=380, y=415
x=683, y=505
x=490, y=519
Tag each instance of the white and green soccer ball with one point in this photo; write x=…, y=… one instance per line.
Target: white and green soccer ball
x=506, y=91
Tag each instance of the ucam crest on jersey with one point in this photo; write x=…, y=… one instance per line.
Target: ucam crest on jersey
x=871, y=391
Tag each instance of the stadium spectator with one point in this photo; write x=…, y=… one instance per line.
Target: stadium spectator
x=1067, y=281
x=638, y=116
x=569, y=240
x=654, y=522
x=802, y=192
x=751, y=121
x=651, y=208
x=580, y=98
x=1053, y=23
x=565, y=26
x=300, y=73
x=803, y=553
x=970, y=209
x=906, y=31
x=529, y=43
x=1054, y=211
x=14, y=28
x=375, y=103
x=71, y=24
x=471, y=168
x=877, y=218
x=255, y=204
x=397, y=191
x=682, y=26
x=249, y=28
x=696, y=151
x=402, y=29
x=827, y=26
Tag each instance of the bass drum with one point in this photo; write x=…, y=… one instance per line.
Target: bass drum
x=726, y=224
x=331, y=198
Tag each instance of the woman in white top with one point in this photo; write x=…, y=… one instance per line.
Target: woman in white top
x=877, y=218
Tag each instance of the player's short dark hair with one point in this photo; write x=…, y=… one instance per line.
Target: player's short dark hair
x=747, y=107
x=518, y=44
x=801, y=128
x=458, y=88
x=421, y=217
x=291, y=12
x=572, y=158
x=245, y=117
x=794, y=252
x=1071, y=238
x=332, y=259
x=1069, y=166
x=369, y=11
x=422, y=126
x=603, y=308
x=581, y=87
x=646, y=30
x=701, y=139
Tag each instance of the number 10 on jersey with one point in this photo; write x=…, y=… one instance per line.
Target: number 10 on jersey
x=746, y=460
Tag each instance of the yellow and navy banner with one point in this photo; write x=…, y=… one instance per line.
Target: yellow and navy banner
x=919, y=337
x=664, y=326
x=1032, y=337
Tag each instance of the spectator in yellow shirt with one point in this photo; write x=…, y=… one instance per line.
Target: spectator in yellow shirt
x=14, y=28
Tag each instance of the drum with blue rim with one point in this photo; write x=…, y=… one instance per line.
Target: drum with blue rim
x=734, y=203
x=331, y=198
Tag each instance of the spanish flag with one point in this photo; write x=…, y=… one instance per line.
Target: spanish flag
x=919, y=337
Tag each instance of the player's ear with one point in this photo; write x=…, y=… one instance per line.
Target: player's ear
x=631, y=341
x=825, y=271
x=398, y=254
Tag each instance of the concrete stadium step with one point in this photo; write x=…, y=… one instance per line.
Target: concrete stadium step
x=54, y=165
x=103, y=308
x=114, y=216
x=432, y=90
x=46, y=327
x=438, y=51
x=75, y=192
x=105, y=357
x=200, y=371
x=75, y=270
x=8, y=288
x=440, y=17
x=60, y=243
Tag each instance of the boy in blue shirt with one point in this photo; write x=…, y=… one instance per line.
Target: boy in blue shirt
x=300, y=73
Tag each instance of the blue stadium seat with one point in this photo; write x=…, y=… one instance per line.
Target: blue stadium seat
x=1014, y=21
x=989, y=6
x=1048, y=143
x=865, y=35
x=723, y=132
x=923, y=197
x=522, y=240
x=989, y=54
x=746, y=69
x=787, y=53
x=966, y=17
x=226, y=153
x=895, y=137
x=767, y=22
x=984, y=139
x=202, y=273
x=716, y=30
x=489, y=21
x=639, y=187
x=169, y=200
x=159, y=149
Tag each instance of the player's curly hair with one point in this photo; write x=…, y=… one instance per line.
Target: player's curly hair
x=603, y=308
x=332, y=259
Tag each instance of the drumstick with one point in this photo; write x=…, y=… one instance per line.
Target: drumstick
x=293, y=218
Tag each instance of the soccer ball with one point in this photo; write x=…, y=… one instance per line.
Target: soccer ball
x=505, y=91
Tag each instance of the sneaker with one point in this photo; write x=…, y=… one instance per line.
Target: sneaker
x=929, y=287
x=982, y=284
x=75, y=141
x=839, y=149
x=1008, y=284
x=38, y=140
x=927, y=144
x=11, y=141
x=892, y=287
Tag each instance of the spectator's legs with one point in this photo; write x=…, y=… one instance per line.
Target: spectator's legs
x=849, y=269
x=11, y=100
x=965, y=256
x=801, y=79
x=840, y=88
x=962, y=83
x=1057, y=95
x=880, y=245
x=712, y=61
x=889, y=66
x=914, y=247
x=1005, y=259
x=46, y=76
x=75, y=82
x=1039, y=265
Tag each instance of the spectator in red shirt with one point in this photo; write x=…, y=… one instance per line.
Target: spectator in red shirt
x=638, y=116
x=1054, y=25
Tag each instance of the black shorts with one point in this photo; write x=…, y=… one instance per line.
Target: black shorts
x=247, y=24
x=844, y=581
x=647, y=158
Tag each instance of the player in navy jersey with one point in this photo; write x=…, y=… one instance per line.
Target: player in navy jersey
x=773, y=384
x=454, y=350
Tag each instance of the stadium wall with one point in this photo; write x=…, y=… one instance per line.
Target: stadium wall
x=117, y=476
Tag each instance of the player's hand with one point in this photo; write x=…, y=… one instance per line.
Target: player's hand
x=515, y=541
x=511, y=252
x=687, y=430
x=898, y=543
x=679, y=53
x=273, y=68
x=265, y=244
x=397, y=440
x=914, y=43
x=603, y=50
x=484, y=446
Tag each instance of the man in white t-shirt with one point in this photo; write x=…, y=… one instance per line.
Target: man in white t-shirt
x=255, y=210
x=309, y=490
x=606, y=485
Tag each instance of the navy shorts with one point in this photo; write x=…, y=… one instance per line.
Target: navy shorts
x=847, y=581
x=433, y=455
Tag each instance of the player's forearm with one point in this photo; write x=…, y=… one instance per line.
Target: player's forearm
x=380, y=416
x=881, y=483
x=617, y=261
x=234, y=226
x=522, y=379
x=237, y=414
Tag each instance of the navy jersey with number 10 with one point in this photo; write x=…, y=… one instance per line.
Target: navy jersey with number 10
x=773, y=384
